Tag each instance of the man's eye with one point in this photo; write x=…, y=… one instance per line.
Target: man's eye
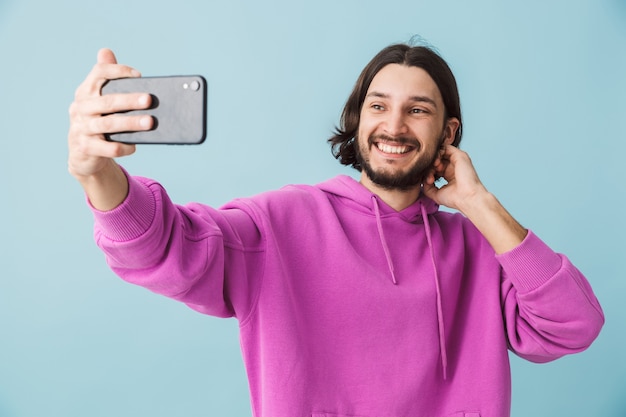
x=377, y=107
x=418, y=111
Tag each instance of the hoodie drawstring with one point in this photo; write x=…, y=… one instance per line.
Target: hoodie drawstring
x=442, y=334
x=379, y=224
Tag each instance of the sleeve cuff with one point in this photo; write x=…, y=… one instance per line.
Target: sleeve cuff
x=130, y=219
x=531, y=264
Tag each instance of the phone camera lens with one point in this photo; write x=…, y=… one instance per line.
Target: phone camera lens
x=194, y=85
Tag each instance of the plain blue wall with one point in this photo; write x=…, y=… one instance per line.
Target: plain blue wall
x=543, y=92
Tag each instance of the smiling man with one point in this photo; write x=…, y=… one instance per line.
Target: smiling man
x=354, y=298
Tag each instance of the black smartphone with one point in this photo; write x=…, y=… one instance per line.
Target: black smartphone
x=178, y=109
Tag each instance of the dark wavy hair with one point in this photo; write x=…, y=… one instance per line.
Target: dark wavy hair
x=343, y=141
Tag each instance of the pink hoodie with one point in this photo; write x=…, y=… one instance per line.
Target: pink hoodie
x=349, y=308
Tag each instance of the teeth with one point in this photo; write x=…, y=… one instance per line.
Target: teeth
x=392, y=149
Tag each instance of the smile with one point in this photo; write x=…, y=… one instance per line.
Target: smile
x=393, y=149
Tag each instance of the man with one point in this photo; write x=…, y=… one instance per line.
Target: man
x=353, y=298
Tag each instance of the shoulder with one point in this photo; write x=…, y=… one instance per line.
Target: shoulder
x=295, y=200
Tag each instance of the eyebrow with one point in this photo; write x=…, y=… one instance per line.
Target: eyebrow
x=422, y=99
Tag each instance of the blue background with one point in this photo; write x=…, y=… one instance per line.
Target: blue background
x=543, y=87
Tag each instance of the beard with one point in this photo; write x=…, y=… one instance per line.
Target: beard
x=390, y=179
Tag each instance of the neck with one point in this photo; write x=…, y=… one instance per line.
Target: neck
x=397, y=199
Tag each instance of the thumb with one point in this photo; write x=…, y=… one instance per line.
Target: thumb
x=106, y=56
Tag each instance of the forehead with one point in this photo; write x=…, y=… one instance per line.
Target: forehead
x=404, y=82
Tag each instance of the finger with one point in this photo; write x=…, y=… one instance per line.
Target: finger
x=456, y=155
x=106, y=68
x=90, y=147
x=83, y=145
x=439, y=166
x=106, y=56
x=430, y=191
x=109, y=103
x=108, y=149
x=88, y=154
x=115, y=123
x=100, y=74
x=447, y=151
x=430, y=179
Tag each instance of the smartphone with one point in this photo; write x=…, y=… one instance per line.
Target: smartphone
x=178, y=109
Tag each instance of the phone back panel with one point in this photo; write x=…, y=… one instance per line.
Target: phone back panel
x=178, y=108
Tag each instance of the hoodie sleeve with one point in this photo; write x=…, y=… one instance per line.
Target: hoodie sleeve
x=209, y=259
x=549, y=307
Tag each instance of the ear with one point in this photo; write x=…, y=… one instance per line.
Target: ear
x=452, y=125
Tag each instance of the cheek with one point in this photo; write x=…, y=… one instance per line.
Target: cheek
x=433, y=131
x=367, y=124
x=362, y=142
x=361, y=133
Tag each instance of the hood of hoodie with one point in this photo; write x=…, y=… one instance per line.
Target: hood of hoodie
x=358, y=197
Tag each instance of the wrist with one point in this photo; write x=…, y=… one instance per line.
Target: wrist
x=477, y=202
x=107, y=188
x=495, y=223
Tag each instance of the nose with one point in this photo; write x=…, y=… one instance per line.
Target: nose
x=395, y=124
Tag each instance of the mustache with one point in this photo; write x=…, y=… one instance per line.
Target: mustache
x=402, y=140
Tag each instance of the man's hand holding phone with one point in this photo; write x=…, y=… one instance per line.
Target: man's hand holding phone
x=115, y=108
x=92, y=116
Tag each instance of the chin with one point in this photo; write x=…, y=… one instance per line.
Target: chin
x=394, y=181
